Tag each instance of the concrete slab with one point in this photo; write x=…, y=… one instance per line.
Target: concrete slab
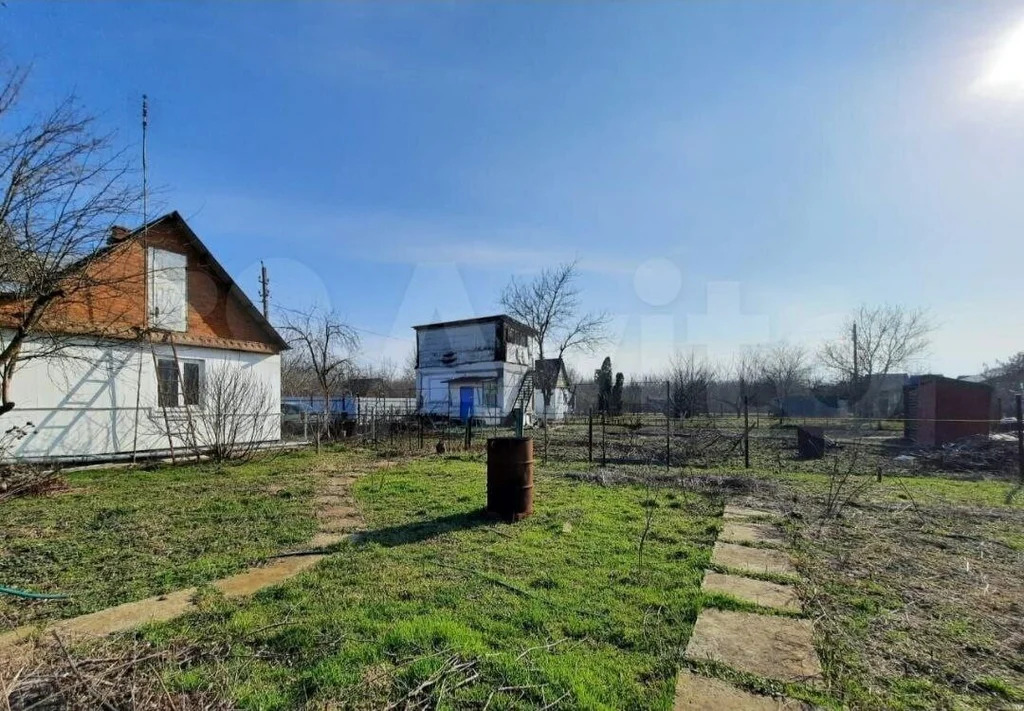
x=325, y=540
x=742, y=512
x=738, y=532
x=759, y=592
x=779, y=648
x=340, y=525
x=702, y=693
x=329, y=500
x=340, y=511
x=258, y=578
x=752, y=560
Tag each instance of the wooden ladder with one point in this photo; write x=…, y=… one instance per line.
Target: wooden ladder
x=190, y=429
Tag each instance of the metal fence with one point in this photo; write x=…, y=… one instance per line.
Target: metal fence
x=654, y=439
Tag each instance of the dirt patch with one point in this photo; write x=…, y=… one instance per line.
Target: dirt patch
x=779, y=648
x=701, y=693
x=715, y=484
x=919, y=589
x=759, y=592
x=752, y=560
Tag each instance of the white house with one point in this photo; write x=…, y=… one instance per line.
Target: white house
x=481, y=368
x=552, y=371
x=147, y=347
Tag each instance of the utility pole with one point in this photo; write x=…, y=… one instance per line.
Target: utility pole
x=145, y=247
x=265, y=290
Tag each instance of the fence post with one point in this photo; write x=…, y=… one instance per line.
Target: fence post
x=668, y=424
x=604, y=446
x=746, y=434
x=421, y=431
x=469, y=433
x=590, y=437
x=1020, y=440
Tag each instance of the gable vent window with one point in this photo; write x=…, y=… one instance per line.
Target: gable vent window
x=168, y=290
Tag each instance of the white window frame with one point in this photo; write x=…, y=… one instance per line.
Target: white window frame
x=179, y=385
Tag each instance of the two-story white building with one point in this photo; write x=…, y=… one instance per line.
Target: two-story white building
x=484, y=368
x=477, y=367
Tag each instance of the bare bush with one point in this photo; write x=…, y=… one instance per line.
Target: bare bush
x=845, y=485
x=237, y=416
x=18, y=478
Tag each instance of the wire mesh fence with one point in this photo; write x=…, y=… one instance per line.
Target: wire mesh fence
x=657, y=439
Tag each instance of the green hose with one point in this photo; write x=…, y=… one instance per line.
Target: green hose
x=31, y=595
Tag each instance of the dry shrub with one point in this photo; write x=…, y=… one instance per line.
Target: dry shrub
x=112, y=676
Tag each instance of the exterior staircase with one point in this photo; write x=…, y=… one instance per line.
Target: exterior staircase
x=523, y=397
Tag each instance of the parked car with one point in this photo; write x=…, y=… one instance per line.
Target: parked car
x=296, y=418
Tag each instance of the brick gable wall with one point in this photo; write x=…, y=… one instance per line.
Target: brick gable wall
x=114, y=303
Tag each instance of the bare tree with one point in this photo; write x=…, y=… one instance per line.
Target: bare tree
x=237, y=414
x=1007, y=379
x=325, y=345
x=691, y=378
x=741, y=376
x=783, y=368
x=62, y=189
x=888, y=338
x=550, y=304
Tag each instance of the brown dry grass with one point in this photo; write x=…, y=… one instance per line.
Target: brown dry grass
x=918, y=602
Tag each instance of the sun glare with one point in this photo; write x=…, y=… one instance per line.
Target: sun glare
x=1005, y=72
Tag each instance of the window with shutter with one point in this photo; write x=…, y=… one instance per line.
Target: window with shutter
x=168, y=290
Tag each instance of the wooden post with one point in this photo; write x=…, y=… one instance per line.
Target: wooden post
x=1020, y=440
x=421, y=431
x=668, y=424
x=746, y=434
x=590, y=437
x=604, y=447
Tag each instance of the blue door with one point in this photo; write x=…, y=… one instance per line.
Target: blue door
x=465, y=403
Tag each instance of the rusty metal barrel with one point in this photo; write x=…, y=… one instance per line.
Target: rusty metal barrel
x=510, y=477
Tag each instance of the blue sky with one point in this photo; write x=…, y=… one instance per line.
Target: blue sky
x=726, y=173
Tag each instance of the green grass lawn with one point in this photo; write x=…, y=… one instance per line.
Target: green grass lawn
x=439, y=603
x=118, y=535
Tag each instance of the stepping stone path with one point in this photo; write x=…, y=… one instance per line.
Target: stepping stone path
x=734, y=532
x=759, y=592
x=337, y=517
x=776, y=647
x=759, y=561
x=704, y=693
